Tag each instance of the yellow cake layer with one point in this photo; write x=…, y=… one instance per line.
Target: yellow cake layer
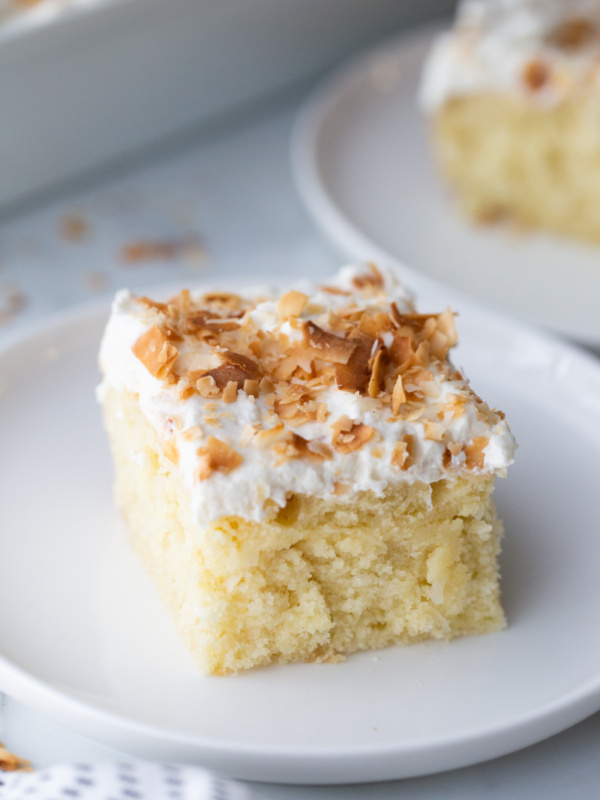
x=318, y=579
x=539, y=166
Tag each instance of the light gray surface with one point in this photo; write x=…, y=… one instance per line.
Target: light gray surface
x=237, y=195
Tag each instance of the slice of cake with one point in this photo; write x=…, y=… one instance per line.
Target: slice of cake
x=513, y=94
x=304, y=474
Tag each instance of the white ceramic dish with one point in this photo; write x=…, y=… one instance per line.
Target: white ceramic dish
x=85, y=640
x=364, y=168
x=136, y=77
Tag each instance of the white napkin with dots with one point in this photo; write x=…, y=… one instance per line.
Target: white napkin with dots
x=119, y=781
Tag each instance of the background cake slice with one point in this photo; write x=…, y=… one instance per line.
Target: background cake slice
x=513, y=95
x=304, y=474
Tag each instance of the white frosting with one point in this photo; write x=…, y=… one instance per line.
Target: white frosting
x=260, y=477
x=493, y=41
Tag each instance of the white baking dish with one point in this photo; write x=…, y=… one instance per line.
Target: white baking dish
x=84, y=83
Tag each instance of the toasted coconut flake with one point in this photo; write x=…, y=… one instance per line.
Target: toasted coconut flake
x=433, y=430
x=230, y=392
x=335, y=290
x=573, y=33
x=438, y=343
x=429, y=328
x=455, y=448
x=251, y=387
x=266, y=384
x=395, y=314
x=146, y=250
x=170, y=450
x=350, y=314
x=303, y=447
x=409, y=441
x=154, y=304
x=415, y=378
x=446, y=459
x=342, y=424
x=245, y=362
x=398, y=395
x=194, y=432
x=228, y=373
x=402, y=350
x=536, y=74
x=268, y=437
x=354, y=376
x=321, y=450
x=356, y=437
x=327, y=346
x=430, y=389
x=399, y=454
x=404, y=452
x=217, y=456
x=444, y=336
x=186, y=391
x=368, y=326
x=474, y=455
x=171, y=334
x=322, y=412
x=422, y=354
x=182, y=301
x=155, y=352
x=293, y=393
x=286, y=411
x=246, y=436
x=9, y=762
x=225, y=300
x=377, y=373
x=291, y=304
x=371, y=280
x=447, y=325
x=207, y=386
x=285, y=368
x=206, y=321
x=455, y=405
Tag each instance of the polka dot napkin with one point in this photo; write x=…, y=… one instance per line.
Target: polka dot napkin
x=119, y=781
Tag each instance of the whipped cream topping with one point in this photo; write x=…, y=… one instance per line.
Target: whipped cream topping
x=538, y=50
x=320, y=391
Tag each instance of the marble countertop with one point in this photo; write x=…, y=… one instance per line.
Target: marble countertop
x=222, y=207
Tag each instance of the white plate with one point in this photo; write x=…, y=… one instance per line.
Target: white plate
x=85, y=640
x=364, y=168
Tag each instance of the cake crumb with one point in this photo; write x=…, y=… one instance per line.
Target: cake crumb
x=13, y=301
x=189, y=248
x=96, y=280
x=74, y=228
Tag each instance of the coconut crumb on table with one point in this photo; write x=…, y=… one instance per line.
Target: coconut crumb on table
x=9, y=762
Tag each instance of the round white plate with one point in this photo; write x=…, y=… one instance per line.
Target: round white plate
x=85, y=640
x=363, y=166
